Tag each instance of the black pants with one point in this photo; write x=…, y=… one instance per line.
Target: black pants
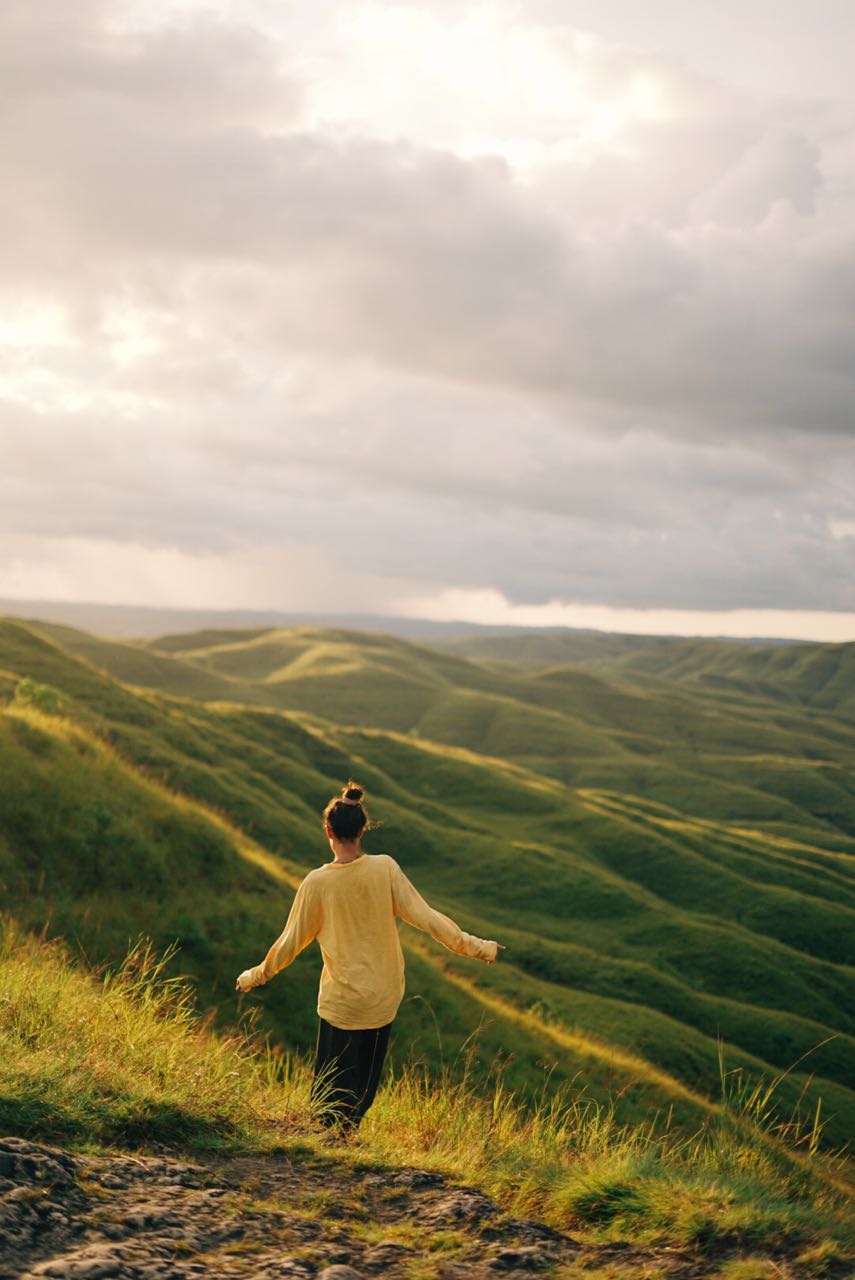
x=347, y=1071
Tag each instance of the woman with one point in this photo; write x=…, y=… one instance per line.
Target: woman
x=350, y=906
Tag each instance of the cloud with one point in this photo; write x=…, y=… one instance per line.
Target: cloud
x=491, y=608
x=592, y=346
x=537, y=510
x=780, y=168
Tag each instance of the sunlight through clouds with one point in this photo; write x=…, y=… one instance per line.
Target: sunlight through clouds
x=477, y=80
x=491, y=608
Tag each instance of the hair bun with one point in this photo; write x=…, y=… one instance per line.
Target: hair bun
x=352, y=793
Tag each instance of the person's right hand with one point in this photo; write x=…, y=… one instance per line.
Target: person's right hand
x=500, y=946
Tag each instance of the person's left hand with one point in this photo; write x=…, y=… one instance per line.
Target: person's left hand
x=244, y=982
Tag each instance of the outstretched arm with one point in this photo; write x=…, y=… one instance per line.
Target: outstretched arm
x=302, y=925
x=411, y=906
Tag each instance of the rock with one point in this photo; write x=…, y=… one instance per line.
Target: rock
x=94, y=1263
x=336, y=1254
x=416, y=1178
x=123, y=1217
x=527, y=1257
x=387, y=1253
x=148, y=1218
x=464, y=1205
x=113, y=1230
x=24, y=1193
x=529, y=1231
x=25, y=1161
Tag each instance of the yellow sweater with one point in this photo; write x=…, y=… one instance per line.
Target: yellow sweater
x=350, y=907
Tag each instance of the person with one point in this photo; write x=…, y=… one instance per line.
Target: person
x=351, y=905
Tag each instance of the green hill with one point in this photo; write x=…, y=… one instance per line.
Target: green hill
x=569, y=723
x=664, y=870
x=541, y=647
x=805, y=674
x=820, y=676
x=771, y=762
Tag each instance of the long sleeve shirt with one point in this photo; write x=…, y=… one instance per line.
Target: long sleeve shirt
x=352, y=909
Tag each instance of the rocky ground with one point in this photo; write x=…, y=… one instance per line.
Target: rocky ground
x=304, y=1214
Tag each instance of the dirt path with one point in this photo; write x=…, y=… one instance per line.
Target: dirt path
x=304, y=1214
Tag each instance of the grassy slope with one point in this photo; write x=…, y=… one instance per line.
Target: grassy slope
x=659, y=930
x=821, y=676
x=729, y=758
x=540, y=648
x=122, y=1061
x=116, y=853
x=785, y=766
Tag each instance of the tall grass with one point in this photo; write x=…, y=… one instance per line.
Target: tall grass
x=757, y=1101
x=121, y=1057
x=746, y=1176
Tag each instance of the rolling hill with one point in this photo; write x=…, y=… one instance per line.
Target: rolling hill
x=737, y=757
x=667, y=863
x=820, y=676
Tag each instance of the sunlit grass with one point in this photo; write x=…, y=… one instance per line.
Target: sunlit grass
x=569, y=1161
x=123, y=1058
x=126, y=1059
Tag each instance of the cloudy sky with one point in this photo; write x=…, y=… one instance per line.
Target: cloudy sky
x=536, y=312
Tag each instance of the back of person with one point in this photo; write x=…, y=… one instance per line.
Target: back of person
x=351, y=905
x=362, y=982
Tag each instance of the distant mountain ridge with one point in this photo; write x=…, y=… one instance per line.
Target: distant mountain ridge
x=817, y=675
x=140, y=622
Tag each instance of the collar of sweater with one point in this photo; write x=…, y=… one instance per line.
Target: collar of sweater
x=349, y=863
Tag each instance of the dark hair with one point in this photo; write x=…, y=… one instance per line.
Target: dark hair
x=345, y=813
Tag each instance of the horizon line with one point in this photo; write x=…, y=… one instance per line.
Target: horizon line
x=528, y=621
